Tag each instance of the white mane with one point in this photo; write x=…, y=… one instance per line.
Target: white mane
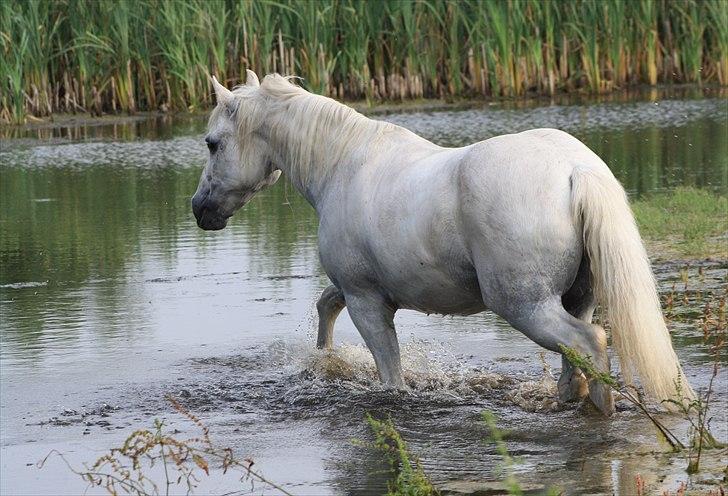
x=314, y=132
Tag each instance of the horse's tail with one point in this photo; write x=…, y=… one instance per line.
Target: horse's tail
x=624, y=285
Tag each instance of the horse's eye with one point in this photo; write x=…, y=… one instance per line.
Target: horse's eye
x=212, y=143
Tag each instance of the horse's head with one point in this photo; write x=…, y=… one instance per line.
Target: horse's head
x=239, y=164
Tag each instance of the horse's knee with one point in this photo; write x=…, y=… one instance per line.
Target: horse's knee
x=332, y=299
x=596, y=346
x=551, y=326
x=329, y=306
x=589, y=340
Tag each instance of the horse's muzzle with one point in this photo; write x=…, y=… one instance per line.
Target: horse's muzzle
x=208, y=218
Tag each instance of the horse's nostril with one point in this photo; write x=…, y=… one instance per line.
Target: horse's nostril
x=212, y=143
x=198, y=205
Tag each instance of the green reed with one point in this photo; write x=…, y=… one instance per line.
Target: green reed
x=124, y=55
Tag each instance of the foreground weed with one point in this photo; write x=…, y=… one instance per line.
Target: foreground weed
x=126, y=469
x=497, y=438
x=409, y=478
x=627, y=392
x=713, y=323
x=694, y=411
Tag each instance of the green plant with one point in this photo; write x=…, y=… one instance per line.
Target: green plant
x=496, y=437
x=630, y=394
x=692, y=219
x=713, y=323
x=111, y=56
x=408, y=477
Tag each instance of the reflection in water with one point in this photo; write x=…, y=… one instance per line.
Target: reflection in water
x=105, y=279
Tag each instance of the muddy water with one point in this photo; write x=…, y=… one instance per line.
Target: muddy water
x=111, y=298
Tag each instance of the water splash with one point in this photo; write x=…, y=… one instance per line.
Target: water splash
x=431, y=373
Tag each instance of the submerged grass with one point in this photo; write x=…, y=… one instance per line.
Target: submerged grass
x=686, y=222
x=121, y=55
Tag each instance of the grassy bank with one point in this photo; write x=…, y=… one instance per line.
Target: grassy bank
x=123, y=55
x=688, y=223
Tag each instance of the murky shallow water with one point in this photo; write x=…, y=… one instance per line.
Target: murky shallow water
x=111, y=298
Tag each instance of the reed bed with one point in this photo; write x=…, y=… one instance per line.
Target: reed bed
x=105, y=56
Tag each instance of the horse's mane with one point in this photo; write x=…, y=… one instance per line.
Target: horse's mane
x=319, y=131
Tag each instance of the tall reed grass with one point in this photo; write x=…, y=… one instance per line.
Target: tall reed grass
x=125, y=55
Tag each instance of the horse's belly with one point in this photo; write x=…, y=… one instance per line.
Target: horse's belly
x=434, y=293
x=444, y=306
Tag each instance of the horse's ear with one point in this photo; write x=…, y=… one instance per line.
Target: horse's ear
x=252, y=79
x=272, y=178
x=222, y=94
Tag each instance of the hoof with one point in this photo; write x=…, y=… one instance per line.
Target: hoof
x=396, y=383
x=601, y=395
x=572, y=386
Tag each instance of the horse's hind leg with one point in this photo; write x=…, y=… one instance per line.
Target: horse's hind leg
x=578, y=301
x=329, y=306
x=551, y=326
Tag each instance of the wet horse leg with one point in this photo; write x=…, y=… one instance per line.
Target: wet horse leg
x=557, y=327
x=374, y=318
x=329, y=306
x=547, y=323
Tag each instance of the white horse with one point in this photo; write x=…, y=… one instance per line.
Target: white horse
x=532, y=226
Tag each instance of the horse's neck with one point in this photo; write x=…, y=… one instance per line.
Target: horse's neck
x=312, y=140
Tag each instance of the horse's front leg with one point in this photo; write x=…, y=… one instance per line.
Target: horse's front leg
x=374, y=318
x=329, y=306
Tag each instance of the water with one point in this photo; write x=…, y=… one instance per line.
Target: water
x=112, y=298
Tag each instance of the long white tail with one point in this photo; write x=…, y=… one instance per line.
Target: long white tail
x=624, y=285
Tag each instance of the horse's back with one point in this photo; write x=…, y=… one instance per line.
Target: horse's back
x=543, y=153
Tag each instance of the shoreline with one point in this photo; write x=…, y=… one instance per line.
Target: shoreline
x=641, y=92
